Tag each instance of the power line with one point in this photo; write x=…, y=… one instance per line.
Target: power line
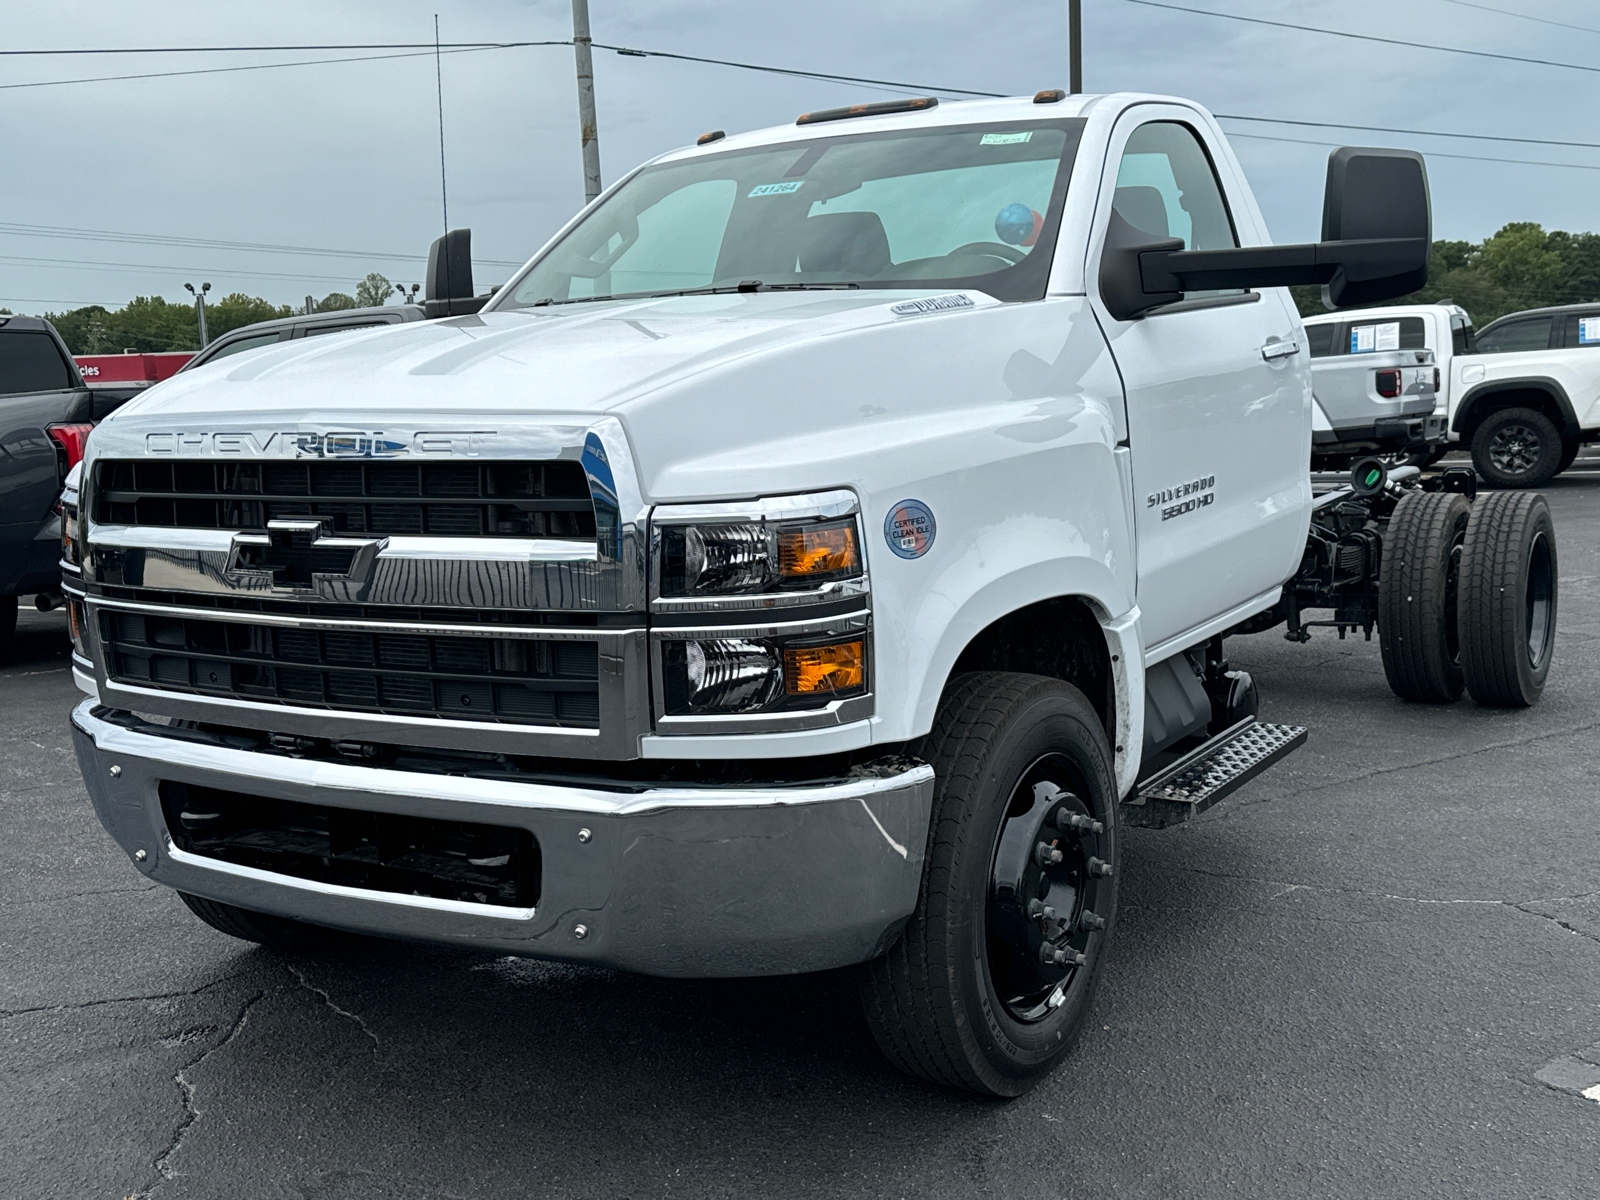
x=1368, y=37
x=71, y=233
x=84, y=264
x=428, y=47
x=1522, y=162
x=1477, y=137
x=1506, y=12
x=310, y=62
x=630, y=52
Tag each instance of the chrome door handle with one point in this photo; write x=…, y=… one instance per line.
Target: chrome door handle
x=1279, y=349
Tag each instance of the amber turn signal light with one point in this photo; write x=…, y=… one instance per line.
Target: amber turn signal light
x=810, y=670
x=818, y=550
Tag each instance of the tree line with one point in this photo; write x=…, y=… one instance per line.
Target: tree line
x=148, y=324
x=1520, y=267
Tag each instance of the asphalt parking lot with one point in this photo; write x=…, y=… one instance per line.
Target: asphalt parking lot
x=1373, y=972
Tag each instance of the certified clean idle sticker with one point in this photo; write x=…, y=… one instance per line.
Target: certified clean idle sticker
x=909, y=528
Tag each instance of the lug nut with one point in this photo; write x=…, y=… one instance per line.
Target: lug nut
x=580, y=932
x=1071, y=822
x=1038, y=909
x=1046, y=855
x=1096, y=867
x=1059, y=956
x=1090, y=921
x=140, y=855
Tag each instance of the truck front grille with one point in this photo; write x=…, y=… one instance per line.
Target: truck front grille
x=523, y=680
x=381, y=499
x=383, y=852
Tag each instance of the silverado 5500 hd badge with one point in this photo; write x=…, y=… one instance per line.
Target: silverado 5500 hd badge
x=1184, y=498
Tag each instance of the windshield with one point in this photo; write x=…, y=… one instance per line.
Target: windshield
x=906, y=209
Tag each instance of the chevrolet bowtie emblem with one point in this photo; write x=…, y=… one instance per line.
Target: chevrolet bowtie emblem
x=296, y=552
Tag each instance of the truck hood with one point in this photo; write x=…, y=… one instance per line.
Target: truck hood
x=599, y=358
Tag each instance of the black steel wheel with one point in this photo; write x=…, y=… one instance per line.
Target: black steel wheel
x=1509, y=590
x=996, y=971
x=1418, y=586
x=1517, y=448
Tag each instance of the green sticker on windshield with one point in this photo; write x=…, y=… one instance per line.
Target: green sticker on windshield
x=776, y=189
x=1004, y=139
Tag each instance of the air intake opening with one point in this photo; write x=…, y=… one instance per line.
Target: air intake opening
x=382, y=852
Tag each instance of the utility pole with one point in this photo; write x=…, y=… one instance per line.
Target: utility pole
x=200, y=309
x=1075, y=28
x=582, y=51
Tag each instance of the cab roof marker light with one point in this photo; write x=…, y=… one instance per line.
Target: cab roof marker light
x=868, y=110
x=1049, y=96
x=705, y=139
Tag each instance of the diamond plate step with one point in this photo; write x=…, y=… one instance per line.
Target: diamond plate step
x=1208, y=773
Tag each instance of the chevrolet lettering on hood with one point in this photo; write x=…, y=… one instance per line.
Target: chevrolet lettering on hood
x=295, y=443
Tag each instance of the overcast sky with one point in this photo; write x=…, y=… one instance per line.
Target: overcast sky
x=346, y=156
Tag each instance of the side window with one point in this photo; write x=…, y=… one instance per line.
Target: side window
x=1167, y=187
x=1583, y=330
x=1461, y=337
x=1319, y=338
x=1530, y=334
x=1406, y=333
x=30, y=362
x=244, y=343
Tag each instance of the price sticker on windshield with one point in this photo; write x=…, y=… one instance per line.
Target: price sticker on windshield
x=775, y=189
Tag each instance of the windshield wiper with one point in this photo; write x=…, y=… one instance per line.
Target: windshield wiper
x=748, y=285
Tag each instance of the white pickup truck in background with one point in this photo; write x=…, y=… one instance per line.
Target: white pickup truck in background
x=813, y=558
x=1523, y=394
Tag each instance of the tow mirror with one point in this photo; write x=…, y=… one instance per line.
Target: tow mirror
x=448, y=290
x=1376, y=237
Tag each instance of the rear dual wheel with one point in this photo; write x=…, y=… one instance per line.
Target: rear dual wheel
x=1467, y=597
x=993, y=978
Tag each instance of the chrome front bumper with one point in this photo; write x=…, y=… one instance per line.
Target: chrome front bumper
x=671, y=880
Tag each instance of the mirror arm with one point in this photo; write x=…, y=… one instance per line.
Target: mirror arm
x=1165, y=271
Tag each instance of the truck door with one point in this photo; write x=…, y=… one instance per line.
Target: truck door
x=1217, y=393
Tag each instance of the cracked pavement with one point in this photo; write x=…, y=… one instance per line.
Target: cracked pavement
x=1372, y=972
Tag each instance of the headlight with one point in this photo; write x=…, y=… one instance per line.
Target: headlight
x=765, y=547
x=751, y=675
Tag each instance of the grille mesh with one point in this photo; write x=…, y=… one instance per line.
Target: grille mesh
x=454, y=499
x=528, y=681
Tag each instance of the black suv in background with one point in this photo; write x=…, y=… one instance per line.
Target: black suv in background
x=45, y=414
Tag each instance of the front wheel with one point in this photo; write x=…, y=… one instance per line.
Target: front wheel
x=994, y=976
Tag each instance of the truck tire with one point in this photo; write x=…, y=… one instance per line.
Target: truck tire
x=277, y=933
x=1516, y=448
x=969, y=997
x=1417, y=596
x=1508, y=599
x=8, y=625
x=1569, y=454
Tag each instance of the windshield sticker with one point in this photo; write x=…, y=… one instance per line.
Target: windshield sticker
x=1588, y=331
x=1004, y=139
x=908, y=308
x=1365, y=339
x=909, y=528
x=776, y=189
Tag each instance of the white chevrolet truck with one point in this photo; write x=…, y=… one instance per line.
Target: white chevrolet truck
x=1523, y=395
x=815, y=557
